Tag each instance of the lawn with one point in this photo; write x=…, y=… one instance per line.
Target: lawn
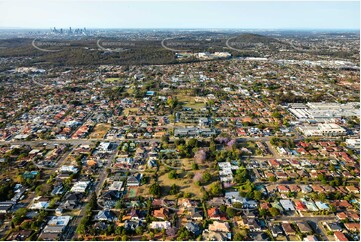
x=185, y=183
x=184, y=180
x=112, y=79
x=99, y=131
x=189, y=102
x=127, y=110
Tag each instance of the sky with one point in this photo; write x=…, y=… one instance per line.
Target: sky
x=185, y=14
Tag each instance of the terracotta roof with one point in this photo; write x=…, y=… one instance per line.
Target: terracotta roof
x=340, y=236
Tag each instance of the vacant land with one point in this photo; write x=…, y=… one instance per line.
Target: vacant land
x=185, y=179
x=127, y=111
x=111, y=79
x=100, y=131
x=189, y=101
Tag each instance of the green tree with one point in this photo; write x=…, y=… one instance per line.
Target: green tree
x=207, y=177
x=257, y=195
x=195, y=166
x=174, y=189
x=272, y=179
x=263, y=213
x=139, y=230
x=192, y=143
x=155, y=189
x=215, y=188
x=322, y=196
x=172, y=174
x=274, y=212
x=165, y=139
x=231, y=212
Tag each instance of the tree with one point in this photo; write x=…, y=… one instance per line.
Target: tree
x=241, y=175
x=118, y=230
x=174, y=189
x=43, y=189
x=215, y=189
x=274, y=212
x=195, y=166
x=192, y=143
x=81, y=229
x=92, y=204
x=139, y=230
x=257, y=195
x=322, y=196
x=272, y=179
x=263, y=213
x=238, y=237
x=276, y=114
x=21, y=212
x=19, y=215
x=206, y=177
x=333, y=209
x=172, y=174
x=223, y=208
x=155, y=190
x=231, y=212
x=321, y=177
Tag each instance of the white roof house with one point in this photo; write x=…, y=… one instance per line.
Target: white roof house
x=39, y=203
x=287, y=205
x=70, y=169
x=104, y=146
x=116, y=186
x=80, y=186
x=160, y=225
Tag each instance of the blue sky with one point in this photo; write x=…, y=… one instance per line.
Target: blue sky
x=186, y=14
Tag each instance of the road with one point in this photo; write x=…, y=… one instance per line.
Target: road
x=71, y=141
x=314, y=221
x=298, y=219
x=103, y=174
x=97, y=188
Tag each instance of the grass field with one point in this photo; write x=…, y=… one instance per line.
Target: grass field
x=127, y=110
x=184, y=180
x=99, y=131
x=112, y=79
x=189, y=102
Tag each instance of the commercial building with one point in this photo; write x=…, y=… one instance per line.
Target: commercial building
x=327, y=129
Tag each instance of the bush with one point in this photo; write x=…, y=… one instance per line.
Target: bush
x=172, y=174
x=155, y=190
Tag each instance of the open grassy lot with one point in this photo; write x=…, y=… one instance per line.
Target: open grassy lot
x=99, y=131
x=112, y=79
x=127, y=110
x=188, y=101
x=184, y=181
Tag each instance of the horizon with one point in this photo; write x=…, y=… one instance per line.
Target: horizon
x=203, y=29
x=324, y=15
